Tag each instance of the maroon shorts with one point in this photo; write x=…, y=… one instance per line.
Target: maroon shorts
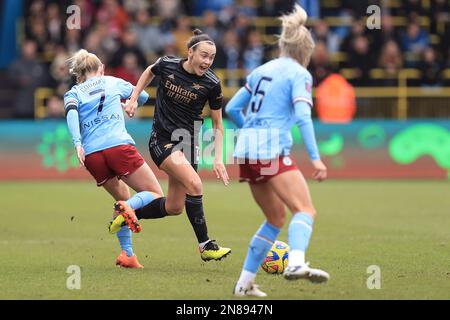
x=113, y=162
x=260, y=171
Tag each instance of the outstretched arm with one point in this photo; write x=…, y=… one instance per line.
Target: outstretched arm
x=235, y=106
x=145, y=79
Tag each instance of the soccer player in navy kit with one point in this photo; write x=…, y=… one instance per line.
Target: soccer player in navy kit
x=96, y=123
x=184, y=87
x=277, y=96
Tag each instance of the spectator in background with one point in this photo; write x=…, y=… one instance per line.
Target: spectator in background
x=55, y=26
x=320, y=65
x=88, y=10
x=253, y=55
x=38, y=32
x=59, y=72
x=211, y=25
x=391, y=61
x=247, y=8
x=321, y=32
x=386, y=33
x=431, y=68
x=232, y=48
x=358, y=29
x=72, y=40
x=26, y=75
x=129, y=70
x=360, y=60
x=55, y=107
x=114, y=16
x=149, y=38
x=182, y=34
x=129, y=45
x=414, y=41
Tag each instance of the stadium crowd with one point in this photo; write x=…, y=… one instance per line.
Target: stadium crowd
x=130, y=34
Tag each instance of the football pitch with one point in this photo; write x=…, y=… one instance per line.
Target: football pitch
x=400, y=227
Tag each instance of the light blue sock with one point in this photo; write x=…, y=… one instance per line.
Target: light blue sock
x=140, y=200
x=259, y=246
x=299, y=231
x=124, y=236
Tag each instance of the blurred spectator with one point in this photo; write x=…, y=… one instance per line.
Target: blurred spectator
x=412, y=7
x=114, y=16
x=88, y=10
x=73, y=40
x=320, y=66
x=54, y=23
x=211, y=25
x=182, y=34
x=321, y=32
x=38, y=32
x=247, y=8
x=129, y=45
x=358, y=29
x=129, y=69
x=386, y=33
x=415, y=39
x=430, y=67
x=232, y=49
x=59, y=71
x=214, y=5
x=27, y=74
x=254, y=52
x=149, y=38
x=390, y=61
x=169, y=9
x=55, y=107
x=360, y=60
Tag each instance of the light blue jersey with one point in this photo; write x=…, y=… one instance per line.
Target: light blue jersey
x=100, y=117
x=277, y=89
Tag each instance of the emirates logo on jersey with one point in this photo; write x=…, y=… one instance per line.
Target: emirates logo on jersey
x=196, y=86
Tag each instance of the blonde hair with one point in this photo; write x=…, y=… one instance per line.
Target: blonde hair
x=83, y=62
x=295, y=40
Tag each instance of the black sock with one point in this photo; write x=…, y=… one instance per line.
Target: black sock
x=194, y=210
x=154, y=210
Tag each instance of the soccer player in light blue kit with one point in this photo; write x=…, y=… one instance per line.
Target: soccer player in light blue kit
x=277, y=96
x=96, y=122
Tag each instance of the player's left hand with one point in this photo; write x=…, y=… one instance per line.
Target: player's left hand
x=80, y=155
x=220, y=171
x=130, y=107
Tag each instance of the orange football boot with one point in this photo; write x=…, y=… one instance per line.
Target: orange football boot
x=125, y=261
x=122, y=208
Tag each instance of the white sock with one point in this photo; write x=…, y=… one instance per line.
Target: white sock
x=201, y=245
x=246, y=277
x=296, y=258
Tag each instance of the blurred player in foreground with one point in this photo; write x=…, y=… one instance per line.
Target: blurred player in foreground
x=96, y=122
x=278, y=94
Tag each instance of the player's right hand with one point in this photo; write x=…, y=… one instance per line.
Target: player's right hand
x=80, y=155
x=320, y=170
x=130, y=107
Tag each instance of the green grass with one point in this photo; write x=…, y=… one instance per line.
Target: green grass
x=402, y=227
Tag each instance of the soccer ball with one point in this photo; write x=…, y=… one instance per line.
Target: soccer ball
x=277, y=258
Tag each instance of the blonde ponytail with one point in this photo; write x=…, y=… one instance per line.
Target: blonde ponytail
x=83, y=62
x=295, y=40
